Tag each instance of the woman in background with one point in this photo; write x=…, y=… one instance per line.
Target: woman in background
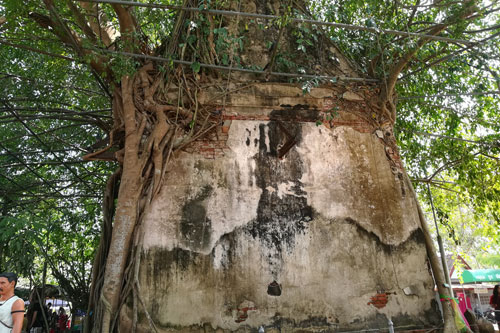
x=495, y=302
x=62, y=320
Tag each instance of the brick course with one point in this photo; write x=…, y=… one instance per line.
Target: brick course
x=334, y=112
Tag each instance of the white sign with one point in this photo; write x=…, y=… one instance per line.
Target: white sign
x=481, y=291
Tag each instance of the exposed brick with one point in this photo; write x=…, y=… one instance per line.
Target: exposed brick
x=379, y=300
x=347, y=113
x=220, y=144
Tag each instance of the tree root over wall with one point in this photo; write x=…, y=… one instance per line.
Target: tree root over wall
x=152, y=130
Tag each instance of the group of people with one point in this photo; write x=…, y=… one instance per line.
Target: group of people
x=57, y=321
x=39, y=316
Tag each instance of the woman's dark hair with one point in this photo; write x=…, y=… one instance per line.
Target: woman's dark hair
x=495, y=291
x=10, y=277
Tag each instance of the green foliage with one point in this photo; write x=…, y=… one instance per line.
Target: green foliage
x=455, y=135
x=63, y=238
x=308, y=85
x=195, y=66
x=121, y=65
x=52, y=112
x=305, y=37
x=492, y=260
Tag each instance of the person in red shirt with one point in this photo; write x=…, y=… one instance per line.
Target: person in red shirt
x=495, y=302
x=62, y=320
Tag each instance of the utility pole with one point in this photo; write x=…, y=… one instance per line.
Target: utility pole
x=441, y=247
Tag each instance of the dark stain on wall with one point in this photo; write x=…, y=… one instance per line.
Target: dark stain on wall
x=164, y=265
x=280, y=216
x=167, y=262
x=170, y=265
x=195, y=226
x=298, y=112
x=417, y=235
x=274, y=289
x=432, y=314
x=321, y=323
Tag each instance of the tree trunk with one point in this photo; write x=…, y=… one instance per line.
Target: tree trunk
x=439, y=277
x=127, y=209
x=108, y=210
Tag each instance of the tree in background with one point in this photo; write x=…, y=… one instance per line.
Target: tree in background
x=68, y=61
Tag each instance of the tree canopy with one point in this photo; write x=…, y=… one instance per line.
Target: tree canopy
x=436, y=62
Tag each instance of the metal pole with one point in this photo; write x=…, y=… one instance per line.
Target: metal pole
x=480, y=304
x=441, y=247
x=465, y=296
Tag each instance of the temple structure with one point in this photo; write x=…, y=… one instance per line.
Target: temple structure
x=292, y=216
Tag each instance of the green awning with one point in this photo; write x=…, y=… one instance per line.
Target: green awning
x=481, y=275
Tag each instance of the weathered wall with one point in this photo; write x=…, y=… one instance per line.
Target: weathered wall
x=324, y=238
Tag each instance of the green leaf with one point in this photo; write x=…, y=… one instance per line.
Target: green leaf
x=195, y=66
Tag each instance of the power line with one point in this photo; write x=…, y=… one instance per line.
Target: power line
x=250, y=15
x=273, y=17
x=244, y=70
x=210, y=66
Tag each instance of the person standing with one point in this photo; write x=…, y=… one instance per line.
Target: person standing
x=495, y=302
x=35, y=316
x=62, y=321
x=11, y=306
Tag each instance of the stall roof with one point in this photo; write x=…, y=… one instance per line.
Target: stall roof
x=481, y=275
x=471, y=286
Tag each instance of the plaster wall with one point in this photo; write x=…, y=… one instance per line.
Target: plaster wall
x=325, y=238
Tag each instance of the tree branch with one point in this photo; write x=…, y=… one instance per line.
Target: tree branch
x=128, y=26
x=387, y=89
x=95, y=22
x=81, y=21
x=98, y=62
x=413, y=12
x=451, y=55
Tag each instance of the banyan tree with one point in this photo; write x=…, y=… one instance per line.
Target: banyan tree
x=259, y=184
